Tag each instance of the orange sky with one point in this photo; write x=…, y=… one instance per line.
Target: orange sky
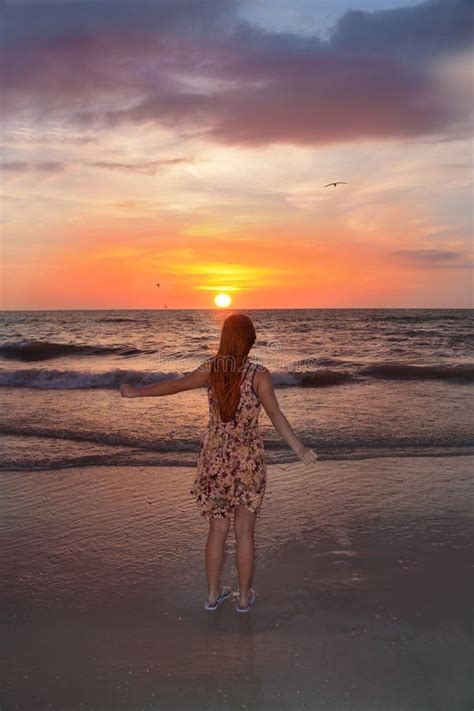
x=95, y=212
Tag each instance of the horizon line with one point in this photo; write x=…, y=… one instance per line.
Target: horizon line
x=272, y=308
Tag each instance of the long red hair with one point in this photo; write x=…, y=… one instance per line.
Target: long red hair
x=237, y=338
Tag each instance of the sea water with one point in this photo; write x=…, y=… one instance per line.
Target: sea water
x=354, y=383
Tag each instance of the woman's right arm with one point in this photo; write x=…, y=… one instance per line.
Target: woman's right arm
x=266, y=395
x=198, y=378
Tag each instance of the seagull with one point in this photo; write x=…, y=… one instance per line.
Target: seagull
x=157, y=285
x=339, y=182
x=165, y=306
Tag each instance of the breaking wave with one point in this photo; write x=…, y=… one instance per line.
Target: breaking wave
x=31, y=350
x=58, y=379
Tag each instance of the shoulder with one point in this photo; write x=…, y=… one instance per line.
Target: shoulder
x=205, y=369
x=260, y=375
x=259, y=369
x=206, y=365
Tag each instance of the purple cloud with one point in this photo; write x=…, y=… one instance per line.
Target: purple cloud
x=196, y=66
x=432, y=27
x=434, y=258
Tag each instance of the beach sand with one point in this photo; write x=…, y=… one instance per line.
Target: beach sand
x=364, y=580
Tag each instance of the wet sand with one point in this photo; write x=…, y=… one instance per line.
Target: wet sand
x=364, y=579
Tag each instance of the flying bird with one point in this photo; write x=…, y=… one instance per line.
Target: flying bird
x=157, y=285
x=339, y=182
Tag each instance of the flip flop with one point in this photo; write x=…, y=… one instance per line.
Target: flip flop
x=211, y=606
x=253, y=597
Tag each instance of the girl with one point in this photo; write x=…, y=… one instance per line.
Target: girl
x=231, y=470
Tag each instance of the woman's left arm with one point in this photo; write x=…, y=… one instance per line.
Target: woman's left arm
x=196, y=379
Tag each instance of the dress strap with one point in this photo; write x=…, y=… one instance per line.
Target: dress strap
x=247, y=370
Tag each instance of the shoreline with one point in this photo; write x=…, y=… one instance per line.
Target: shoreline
x=363, y=576
x=422, y=453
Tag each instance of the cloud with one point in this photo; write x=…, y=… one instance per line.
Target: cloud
x=195, y=66
x=429, y=28
x=145, y=168
x=15, y=166
x=125, y=203
x=36, y=23
x=433, y=258
x=44, y=167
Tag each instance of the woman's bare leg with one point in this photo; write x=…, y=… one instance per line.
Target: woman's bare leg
x=218, y=530
x=244, y=525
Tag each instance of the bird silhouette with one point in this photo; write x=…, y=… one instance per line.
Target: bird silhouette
x=338, y=182
x=157, y=285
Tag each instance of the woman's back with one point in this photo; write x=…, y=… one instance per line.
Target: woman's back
x=249, y=406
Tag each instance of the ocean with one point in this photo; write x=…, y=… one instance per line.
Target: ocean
x=364, y=559
x=354, y=384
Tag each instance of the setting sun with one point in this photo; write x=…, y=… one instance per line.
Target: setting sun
x=222, y=301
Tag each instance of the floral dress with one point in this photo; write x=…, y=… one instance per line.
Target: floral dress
x=231, y=469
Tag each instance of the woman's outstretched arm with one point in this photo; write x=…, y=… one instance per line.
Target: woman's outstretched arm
x=196, y=379
x=266, y=394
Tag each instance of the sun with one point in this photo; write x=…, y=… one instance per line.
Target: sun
x=222, y=301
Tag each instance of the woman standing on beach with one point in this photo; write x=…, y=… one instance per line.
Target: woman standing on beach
x=231, y=471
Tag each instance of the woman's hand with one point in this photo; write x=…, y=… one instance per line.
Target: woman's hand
x=308, y=456
x=128, y=391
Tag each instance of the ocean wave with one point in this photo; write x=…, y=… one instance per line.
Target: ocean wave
x=99, y=460
x=187, y=457
x=56, y=379
x=119, y=319
x=404, y=371
x=415, y=332
x=422, y=316
x=109, y=439
x=316, y=362
x=32, y=350
x=324, y=378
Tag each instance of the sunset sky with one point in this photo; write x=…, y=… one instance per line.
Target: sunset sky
x=188, y=142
